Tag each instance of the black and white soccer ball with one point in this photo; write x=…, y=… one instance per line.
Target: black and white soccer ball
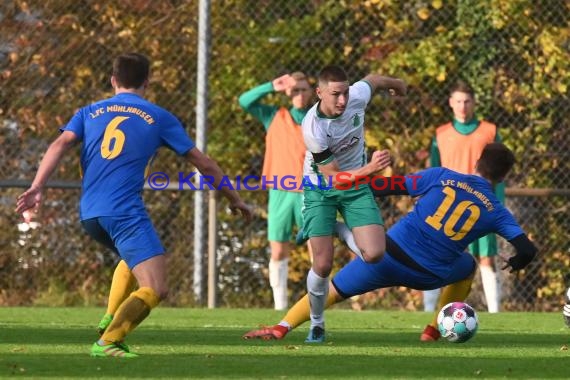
x=457, y=322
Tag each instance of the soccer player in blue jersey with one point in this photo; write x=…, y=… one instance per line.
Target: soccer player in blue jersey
x=119, y=136
x=426, y=248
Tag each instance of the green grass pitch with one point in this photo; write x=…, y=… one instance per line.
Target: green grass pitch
x=200, y=343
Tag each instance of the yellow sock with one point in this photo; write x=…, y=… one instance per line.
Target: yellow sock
x=130, y=314
x=122, y=285
x=301, y=311
x=451, y=293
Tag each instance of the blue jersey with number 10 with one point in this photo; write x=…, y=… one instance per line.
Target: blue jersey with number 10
x=120, y=137
x=453, y=210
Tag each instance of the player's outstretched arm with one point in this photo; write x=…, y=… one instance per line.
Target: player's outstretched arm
x=395, y=86
x=526, y=251
x=389, y=186
x=31, y=198
x=209, y=167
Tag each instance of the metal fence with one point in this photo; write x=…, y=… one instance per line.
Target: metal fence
x=55, y=57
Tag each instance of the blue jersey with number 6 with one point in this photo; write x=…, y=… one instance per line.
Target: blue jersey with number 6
x=453, y=210
x=120, y=137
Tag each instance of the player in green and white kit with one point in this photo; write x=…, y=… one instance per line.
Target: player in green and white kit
x=333, y=130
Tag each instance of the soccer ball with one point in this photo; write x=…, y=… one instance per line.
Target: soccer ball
x=457, y=322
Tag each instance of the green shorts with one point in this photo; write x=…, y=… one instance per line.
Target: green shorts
x=484, y=247
x=357, y=207
x=283, y=212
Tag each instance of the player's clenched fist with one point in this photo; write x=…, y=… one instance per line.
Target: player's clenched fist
x=381, y=159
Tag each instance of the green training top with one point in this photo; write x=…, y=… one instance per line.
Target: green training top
x=465, y=129
x=250, y=102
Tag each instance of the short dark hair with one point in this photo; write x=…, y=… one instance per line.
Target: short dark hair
x=332, y=73
x=464, y=87
x=495, y=162
x=131, y=70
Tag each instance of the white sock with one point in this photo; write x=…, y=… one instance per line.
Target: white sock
x=345, y=234
x=430, y=299
x=285, y=324
x=490, y=282
x=278, y=275
x=318, y=289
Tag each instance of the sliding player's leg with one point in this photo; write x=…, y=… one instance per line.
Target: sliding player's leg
x=298, y=314
x=355, y=278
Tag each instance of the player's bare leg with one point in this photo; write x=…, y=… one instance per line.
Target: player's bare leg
x=371, y=240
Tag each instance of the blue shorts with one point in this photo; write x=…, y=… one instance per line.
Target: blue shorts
x=133, y=237
x=358, y=277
